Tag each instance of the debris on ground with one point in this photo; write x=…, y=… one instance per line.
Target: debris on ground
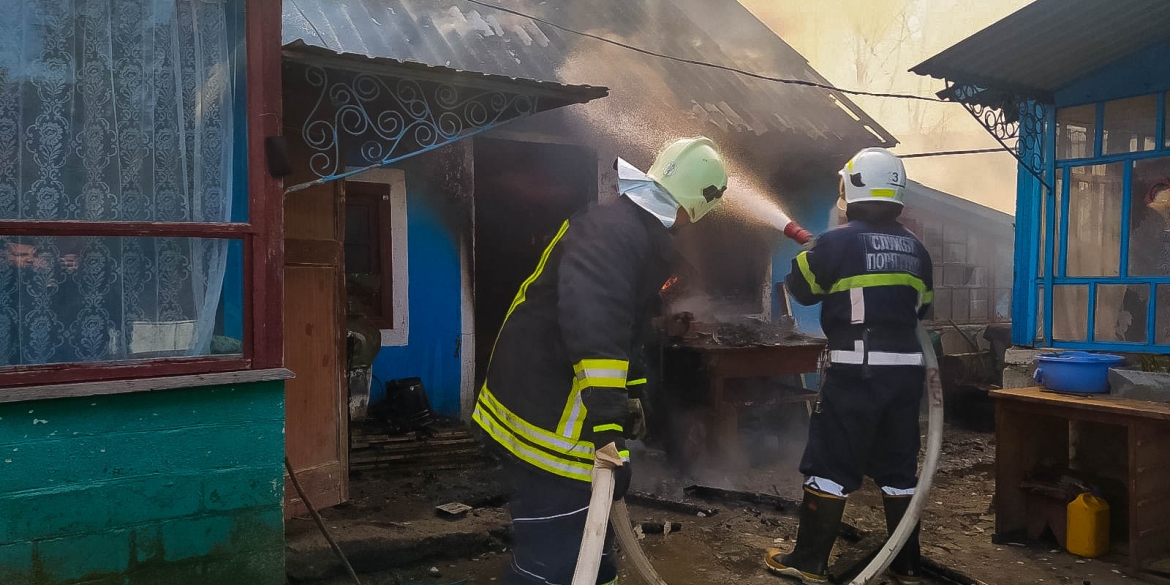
x=745, y=335
x=393, y=536
x=663, y=528
x=647, y=500
x=373, y=446
x=453, y=509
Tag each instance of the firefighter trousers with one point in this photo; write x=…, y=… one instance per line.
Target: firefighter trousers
x=548, y=521
x=866, y=424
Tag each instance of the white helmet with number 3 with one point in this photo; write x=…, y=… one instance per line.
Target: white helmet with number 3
x=874, y=174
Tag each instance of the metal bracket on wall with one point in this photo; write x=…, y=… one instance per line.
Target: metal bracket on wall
x=1003, y=116
x=370, y=120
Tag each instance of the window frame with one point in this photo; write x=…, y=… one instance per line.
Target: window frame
x=261, y=235
x=381, y=245
x=1048, y=261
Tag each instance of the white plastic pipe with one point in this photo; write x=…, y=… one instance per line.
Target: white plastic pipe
x=933, y=446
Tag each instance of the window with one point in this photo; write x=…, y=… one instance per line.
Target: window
x=1129, y=125
x=1092, y=247
x=1075, y=132
x=1149, y=241
x=1071, y=304
x=369, y=256
x=125, y=228
x=1110, y=285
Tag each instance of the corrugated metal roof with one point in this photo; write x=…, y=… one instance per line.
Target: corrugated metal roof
x=1049, y=44
x=919, y=196
x=562, y=94
x=464, y=36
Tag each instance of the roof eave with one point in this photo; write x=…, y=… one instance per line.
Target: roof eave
x=300, y=52
x=994, y=91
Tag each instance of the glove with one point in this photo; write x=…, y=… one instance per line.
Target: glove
x=621, y=480
x=636, y=423
x=809, y=244
x=623, y=474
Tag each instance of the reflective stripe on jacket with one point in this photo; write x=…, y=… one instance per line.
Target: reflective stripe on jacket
x=560, y=366
x=874, y=282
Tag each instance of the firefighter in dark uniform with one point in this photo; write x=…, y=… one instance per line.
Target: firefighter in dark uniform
x=873, y=279
x=557, y=382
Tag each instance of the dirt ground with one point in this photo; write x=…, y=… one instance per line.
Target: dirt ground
x=729, y=546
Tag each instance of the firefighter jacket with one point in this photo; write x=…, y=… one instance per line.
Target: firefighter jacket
x=561, y=364
x=874, y=282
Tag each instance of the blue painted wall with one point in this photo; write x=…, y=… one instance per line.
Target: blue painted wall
x=179, y=487
x=432, y=352
x=1143, y=72
x=812, y=208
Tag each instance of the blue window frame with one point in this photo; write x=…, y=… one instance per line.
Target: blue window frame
x=1096, y=246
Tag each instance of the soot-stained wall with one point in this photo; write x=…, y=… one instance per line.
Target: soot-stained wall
x=438, y=207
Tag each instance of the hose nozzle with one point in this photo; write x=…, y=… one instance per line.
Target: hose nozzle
x=798, y=234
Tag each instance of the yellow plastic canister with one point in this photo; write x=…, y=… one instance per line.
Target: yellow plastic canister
x=1088, y=526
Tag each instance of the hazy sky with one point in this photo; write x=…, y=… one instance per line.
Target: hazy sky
x=871, y=45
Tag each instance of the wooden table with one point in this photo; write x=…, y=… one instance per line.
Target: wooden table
x=797, y=355
x=1032, y=425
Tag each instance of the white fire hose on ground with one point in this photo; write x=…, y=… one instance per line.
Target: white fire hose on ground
x=601, y=507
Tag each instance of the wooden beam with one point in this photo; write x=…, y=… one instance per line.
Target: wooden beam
x=22, y=227
x=44, y=374
x=264, y=304
x=111, y=387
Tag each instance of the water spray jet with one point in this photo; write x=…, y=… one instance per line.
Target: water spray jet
x=750, y=204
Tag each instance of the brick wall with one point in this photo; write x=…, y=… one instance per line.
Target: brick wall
x=169, y=487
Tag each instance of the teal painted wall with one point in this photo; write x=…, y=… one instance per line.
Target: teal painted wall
x=169, y=487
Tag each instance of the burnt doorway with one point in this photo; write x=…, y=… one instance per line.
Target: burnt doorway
x=524, y=191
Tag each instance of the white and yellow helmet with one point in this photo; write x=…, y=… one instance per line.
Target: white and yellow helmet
x=692, y=171
x=874, y=174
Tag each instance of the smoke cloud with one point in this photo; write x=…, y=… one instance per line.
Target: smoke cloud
x=871, y=45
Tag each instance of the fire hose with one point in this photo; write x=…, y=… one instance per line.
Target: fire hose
x=600, y=506
x=933, y=446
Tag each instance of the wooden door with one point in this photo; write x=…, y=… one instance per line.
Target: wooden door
x=317, y=421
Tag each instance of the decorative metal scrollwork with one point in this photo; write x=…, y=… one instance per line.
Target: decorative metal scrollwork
x=362, y=119
x=1001, y=119
x=1015, y=122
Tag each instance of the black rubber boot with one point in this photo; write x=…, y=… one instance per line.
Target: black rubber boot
x=820, y=519
x=907, y=566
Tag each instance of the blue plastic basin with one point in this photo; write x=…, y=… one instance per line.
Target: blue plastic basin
x=1076, y=371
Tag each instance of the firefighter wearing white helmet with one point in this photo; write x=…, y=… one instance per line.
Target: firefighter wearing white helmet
x=873, y=279
x=566, y=361
x=874, y=174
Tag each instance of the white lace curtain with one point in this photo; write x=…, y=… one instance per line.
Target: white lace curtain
x=114, y=110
